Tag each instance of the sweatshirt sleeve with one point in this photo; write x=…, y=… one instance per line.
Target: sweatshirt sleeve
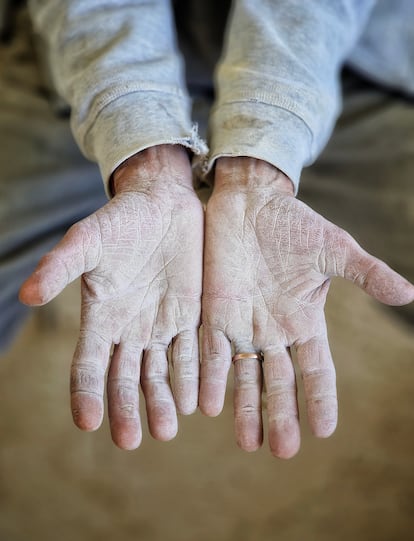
x=277, y=84
x=116, y=63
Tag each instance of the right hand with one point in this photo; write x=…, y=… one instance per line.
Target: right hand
x=141, y=260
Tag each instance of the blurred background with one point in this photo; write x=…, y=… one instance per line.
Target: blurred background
x=57, y=482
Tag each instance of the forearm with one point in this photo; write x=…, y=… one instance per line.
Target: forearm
x=118, y=66
x=278, y=92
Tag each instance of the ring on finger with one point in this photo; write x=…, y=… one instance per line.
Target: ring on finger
x=249, y=355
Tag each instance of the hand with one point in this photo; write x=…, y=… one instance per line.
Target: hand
x=141, y=260
x=268, y=260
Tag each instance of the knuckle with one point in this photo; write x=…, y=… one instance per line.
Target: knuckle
x=129, y=410
x=327, y=374
x=185, y=365
x=322, y=401
x=214, y=358
x=249, y=410
x=85, y=378
x=155, y=379
x=124, y=383
x=216, y=367
x=283, y=418
x=280, y=388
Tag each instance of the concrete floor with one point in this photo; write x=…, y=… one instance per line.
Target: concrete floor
x=59, y=483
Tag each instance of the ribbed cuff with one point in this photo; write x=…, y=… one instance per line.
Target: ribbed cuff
x=261, y=131
x=137, y=121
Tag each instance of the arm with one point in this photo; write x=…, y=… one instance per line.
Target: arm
x=117, y=65
x=268, y=257
x=140, y=258
x=140, y=255
x=277, y=85
x=268, y=263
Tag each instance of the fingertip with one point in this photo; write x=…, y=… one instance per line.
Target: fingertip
x=164, y=431
x=404, y=294
x=212, y=390
x=249, y=444
x=323, y=416
x=285, y=450
x=187, y=408
x=324, y=429
x=186, y=395
x=30, y=292
x=87, y=422
x=25, y=295
x=249, y=431
x=387, y=286
x=210, y=410
x=87, y=412
x=209, y=405
x=393, y=291
x=125, y=437
x=284, y=439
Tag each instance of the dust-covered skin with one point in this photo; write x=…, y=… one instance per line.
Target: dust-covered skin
x=268, y=260
x=140, y=257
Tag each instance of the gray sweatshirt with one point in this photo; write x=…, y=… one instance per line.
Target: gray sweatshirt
x=277, y=84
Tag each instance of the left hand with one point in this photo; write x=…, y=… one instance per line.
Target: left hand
x=268, y=260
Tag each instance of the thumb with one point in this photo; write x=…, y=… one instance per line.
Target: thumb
x=373, y=275
x=71, y=257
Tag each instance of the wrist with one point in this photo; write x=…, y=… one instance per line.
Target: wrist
x=160, y=164
x=247, y=173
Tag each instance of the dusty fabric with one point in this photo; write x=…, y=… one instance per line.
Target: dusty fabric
x=277, y=84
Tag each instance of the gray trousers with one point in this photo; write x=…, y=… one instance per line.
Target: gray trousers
x=45, y=184
x=363, y=181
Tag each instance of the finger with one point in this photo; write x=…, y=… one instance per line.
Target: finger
x=369, y=273
x=215, y=366
x=71, y=257
x=186, y=371
x=88, y=380
x=123, y=397
x=319, y=381
x=161, y=413
x=282, y=407
x=247, y=401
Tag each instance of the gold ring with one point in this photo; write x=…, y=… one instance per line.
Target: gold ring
x=251, y=355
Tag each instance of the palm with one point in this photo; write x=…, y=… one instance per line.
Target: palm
x=140, y=257
x=267, y=269
x=145, y=275
x=268, y=263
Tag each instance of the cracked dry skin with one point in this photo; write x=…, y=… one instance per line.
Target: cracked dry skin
x=268, y=263
x=141, y=260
